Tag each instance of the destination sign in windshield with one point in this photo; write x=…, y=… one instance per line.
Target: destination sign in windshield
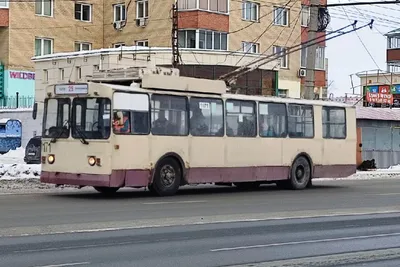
x=71, y=89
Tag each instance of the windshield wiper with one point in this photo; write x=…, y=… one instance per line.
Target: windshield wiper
x=81, y=135
x=61, y=132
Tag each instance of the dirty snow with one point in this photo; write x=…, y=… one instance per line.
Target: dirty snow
x=12, y=166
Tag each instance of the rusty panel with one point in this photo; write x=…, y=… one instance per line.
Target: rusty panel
x=203, y=20
x=392, y=54
x=4, y=17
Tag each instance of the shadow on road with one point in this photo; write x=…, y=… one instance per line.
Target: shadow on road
x=201, y=190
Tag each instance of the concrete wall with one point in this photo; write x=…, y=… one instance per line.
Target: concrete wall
x=29, y=126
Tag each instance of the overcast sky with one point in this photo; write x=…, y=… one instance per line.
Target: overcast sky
x=346, y=54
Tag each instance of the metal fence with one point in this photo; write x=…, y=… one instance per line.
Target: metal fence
x=17, y=101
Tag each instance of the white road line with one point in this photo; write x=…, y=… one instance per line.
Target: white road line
x=387, y=194
x=65, y=264
x=174, y=202
x=304, y=242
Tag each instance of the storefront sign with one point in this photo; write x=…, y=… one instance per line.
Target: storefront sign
x=22, y=75
x=379, y=94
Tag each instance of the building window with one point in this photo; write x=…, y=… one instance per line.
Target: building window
x=142, y=9
x=83, y=12
x=281, y=16
x=119, y=13
x=303, y=61
x=61, y=74
x=4, y=3
x=78, y=73
x=241, y=118
x=305, y=15
x=249, y=47
x=142, y=43
x=219, y=6
x=320, y=58
x=250, y=11
x=44, y=7
x=333, y=123
x=279, y=50
x=300, y=121
x=210, y=40
x=43, y=46
x=272, y=119
x=117, y=45
x=393, y=68
x=83, y=47
x=393, y=42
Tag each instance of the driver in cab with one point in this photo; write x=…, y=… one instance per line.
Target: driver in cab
x=121, y=122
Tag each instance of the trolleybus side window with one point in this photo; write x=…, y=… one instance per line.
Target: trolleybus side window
x=131, y=113
x=91, y=118
x=272, y=119
x=206, y=117
x=334, y=123
x=169, y=115
x=241, y=118
x=56, y=120
x=301, y=121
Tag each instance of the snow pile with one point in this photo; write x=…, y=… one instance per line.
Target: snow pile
x=12, y=166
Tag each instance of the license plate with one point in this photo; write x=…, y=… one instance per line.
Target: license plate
x=31, y=154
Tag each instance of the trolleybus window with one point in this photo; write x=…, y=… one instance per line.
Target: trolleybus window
x=206, y=117
x=301, y=121
x=333, y=122
x=241, y=118
x=131, y=113
x=56, y=118
x=169, y=115
x=91, y=118
x=272, y=119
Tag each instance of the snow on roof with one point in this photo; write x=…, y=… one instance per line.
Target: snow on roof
x=4, y=121
x=127, y=49
x=382, y=114
x=393, y=33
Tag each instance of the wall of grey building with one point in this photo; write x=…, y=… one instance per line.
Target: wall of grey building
x=30, y=127
x=380, y=141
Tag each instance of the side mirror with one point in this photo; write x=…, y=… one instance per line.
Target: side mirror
x=34, y=111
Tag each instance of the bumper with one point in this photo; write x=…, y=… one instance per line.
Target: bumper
x=117, y=178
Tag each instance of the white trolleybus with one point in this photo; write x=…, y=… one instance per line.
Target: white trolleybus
x=164, y=131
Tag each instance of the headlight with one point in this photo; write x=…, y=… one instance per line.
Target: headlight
x=92, y=161
x=51, y=159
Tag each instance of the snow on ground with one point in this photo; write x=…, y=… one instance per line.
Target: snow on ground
x=12, y=166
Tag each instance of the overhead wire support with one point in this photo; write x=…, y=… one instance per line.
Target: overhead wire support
x=230, y=78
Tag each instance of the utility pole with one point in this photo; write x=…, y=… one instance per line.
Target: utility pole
x=311, y=50
x=175, y=44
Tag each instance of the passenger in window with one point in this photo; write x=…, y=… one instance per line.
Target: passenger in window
x=268, y=128
x=245, y=128
x=161, y=124
x=198, y=125
x=121, y=122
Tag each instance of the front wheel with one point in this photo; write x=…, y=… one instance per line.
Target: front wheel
x=106, y=190
x=167, y=177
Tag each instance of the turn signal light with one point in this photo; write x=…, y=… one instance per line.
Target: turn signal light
x=92, y=160
x=51, y=158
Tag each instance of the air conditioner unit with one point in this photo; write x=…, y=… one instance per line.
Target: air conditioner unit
x=141, y=22
x=302, y=73
x=117, y=25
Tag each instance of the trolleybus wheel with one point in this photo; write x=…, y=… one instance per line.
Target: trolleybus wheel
x=300, y=174
x=167, y=177
x=106, y=190
x=247, y=185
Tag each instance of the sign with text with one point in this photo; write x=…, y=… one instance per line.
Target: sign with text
x=22, y=75
x=380, y=94
x=71, y=89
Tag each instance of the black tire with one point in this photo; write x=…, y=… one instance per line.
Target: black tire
x=285, y=184
x=248, y=185
x=167, y=177
x=300, y=174
x=106, y=190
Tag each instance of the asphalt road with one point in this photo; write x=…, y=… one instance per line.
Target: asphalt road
x=216, y=226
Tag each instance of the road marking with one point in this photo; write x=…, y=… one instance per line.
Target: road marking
x=174, y=202
x=305, y=242
x=65, y=264
x=387, y=194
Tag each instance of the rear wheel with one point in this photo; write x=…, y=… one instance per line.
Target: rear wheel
x=167, y=177
x=300, y=176
x=106, y=190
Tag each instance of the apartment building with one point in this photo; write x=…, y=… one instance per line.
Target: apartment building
x=216, y=27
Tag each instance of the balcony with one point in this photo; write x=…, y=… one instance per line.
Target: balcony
x=4, y=18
